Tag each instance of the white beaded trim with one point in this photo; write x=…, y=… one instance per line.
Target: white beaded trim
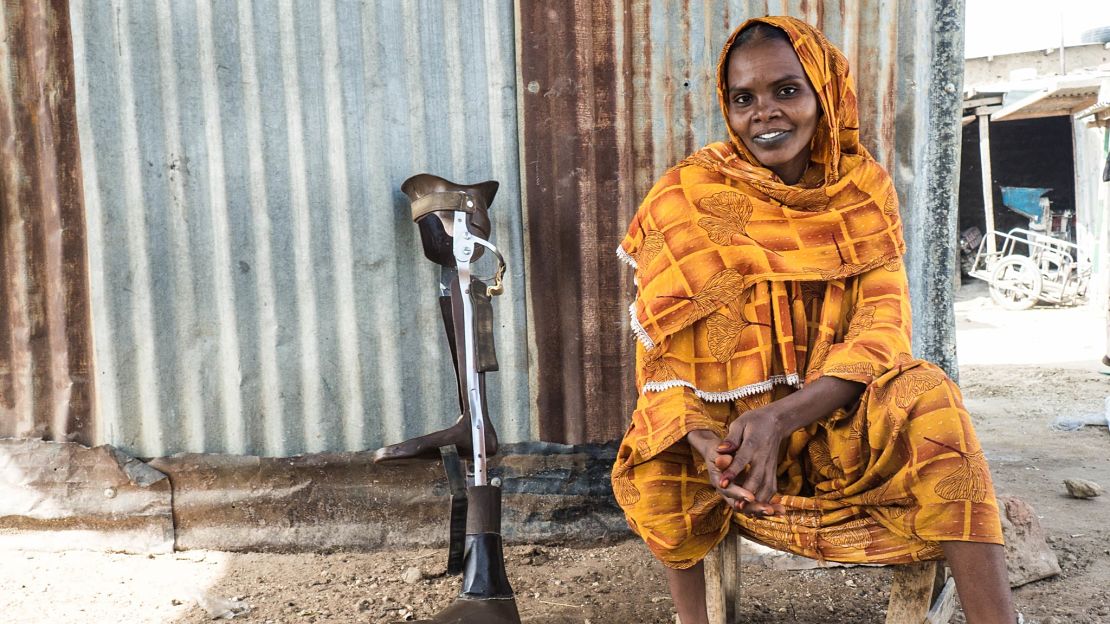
x=730, y=395
x=626, y=258
x=638, y=329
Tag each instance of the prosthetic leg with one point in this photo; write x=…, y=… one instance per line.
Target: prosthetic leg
x=454, y=230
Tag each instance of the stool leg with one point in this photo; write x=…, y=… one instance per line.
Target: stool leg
x=722, y=581
x=911, y=592
x=714, y=585
x=730, y=575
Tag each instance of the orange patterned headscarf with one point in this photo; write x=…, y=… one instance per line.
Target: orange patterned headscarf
x=719, y=221
x=827, y=70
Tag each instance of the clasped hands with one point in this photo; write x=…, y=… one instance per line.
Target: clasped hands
x=743, y=465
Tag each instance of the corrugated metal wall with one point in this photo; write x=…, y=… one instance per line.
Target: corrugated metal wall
x=613, y=95
x=45, y=346
x=257, y=284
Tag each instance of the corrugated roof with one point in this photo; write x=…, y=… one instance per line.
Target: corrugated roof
x=1064, y=98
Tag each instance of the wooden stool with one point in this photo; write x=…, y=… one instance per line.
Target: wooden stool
x=921, y=593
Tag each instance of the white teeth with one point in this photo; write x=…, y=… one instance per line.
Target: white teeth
x=768, y=135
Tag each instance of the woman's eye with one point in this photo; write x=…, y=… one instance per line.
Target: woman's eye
x=742, y=99
x=788, y=91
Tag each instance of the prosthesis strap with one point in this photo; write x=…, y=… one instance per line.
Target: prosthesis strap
x=456, y=480
x=486, y=355
x=440, y=201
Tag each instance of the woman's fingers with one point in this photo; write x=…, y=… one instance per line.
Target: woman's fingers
x=738, y=461
x=733, y=437
x=764, y=487
x=737, y=495
x=756, y=508
x=762, y=483
x=754, y=482
x=745, y=501
x=722, y=460
x=722, y=485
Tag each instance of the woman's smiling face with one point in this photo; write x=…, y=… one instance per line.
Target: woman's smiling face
x=771, y=106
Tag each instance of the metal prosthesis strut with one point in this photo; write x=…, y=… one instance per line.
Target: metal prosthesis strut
x=454, y=227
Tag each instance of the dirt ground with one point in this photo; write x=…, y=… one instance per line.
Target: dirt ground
x=1019, y=372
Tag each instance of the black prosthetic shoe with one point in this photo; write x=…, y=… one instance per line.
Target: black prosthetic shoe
x=486, y=596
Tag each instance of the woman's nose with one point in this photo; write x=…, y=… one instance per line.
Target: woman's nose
x=765, y=109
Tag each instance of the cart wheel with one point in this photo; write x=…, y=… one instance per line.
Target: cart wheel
x=1015, y=283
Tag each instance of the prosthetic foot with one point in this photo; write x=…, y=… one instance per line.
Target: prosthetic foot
x=454, y=228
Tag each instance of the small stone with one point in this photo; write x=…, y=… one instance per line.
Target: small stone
x=220, y=608
x=412, y=575
x=1082, y=488
x=1028, y=557
x=363, y=605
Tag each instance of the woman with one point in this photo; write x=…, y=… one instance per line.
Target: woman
x=765, y=262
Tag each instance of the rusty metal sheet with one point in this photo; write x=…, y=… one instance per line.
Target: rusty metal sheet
x=573, y=159
x=46, y=386
x=611, y=96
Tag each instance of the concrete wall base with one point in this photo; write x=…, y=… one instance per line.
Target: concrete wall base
x=65, y=496
x=56, y=495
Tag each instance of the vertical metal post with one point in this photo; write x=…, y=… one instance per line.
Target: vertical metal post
x=1063, y=63
x=464, y=252
x=988, y=185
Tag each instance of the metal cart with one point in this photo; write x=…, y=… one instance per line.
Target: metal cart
x=1040, y=263
x=1029, y=267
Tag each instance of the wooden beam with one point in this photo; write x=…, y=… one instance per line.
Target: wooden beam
x=983, y=101
x=988, y=184
x=987, y=110
x=967, y=119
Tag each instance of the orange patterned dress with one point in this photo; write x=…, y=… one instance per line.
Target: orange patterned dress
x=747, y=289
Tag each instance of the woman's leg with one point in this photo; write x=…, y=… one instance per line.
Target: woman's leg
x=688, y=593
x=980, y=574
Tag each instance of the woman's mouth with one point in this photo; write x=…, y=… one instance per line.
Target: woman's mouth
x=771, y=138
